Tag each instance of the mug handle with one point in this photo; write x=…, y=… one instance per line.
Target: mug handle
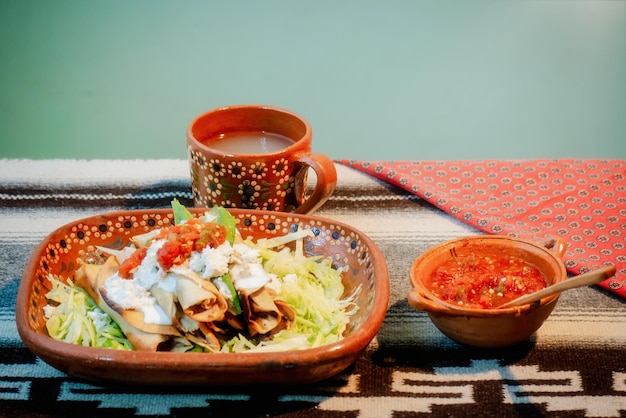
x=326, y=181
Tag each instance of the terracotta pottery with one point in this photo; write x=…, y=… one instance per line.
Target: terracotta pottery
x=271, y=180
x=58, y=254
x=488, y=327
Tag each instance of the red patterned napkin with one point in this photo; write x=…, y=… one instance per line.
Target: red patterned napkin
x=582, y=201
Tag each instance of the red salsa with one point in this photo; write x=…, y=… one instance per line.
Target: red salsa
x=182, y=240
x=484, y=281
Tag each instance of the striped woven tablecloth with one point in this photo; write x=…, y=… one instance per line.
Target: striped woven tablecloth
x=575, y=365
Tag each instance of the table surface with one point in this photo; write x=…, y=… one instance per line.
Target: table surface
x=573, y=366
x=427, y=79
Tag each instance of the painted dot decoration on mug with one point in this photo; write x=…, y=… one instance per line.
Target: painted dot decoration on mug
x=250, y=185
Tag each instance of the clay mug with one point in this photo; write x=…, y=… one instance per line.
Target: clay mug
x=256, y=157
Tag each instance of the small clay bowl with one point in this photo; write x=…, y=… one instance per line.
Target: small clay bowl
x=489, y=328
x=350, y=249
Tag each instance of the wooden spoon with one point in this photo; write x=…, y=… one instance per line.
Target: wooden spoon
x=585, y=279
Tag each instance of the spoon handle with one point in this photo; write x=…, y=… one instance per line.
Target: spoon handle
x=585, y=279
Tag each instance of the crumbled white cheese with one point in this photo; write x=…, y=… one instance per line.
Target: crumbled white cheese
x=246, y=271
x=99, y=319
x=127, y=294
x=130, y=294
x=243, y=254
x=149, y=271
x=211, y=262
x=290, y=278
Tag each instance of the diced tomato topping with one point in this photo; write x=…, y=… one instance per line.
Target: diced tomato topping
x=183, y=239
x=131, y=263
x=168, y=254
x=211, y=235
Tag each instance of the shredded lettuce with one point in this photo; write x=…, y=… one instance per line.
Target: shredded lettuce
x=286, y=239
x=75, y=318
x=321, y=314
x=314, y=288
x=224, y=218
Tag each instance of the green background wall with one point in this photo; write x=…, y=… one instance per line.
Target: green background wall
x=376, y=79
